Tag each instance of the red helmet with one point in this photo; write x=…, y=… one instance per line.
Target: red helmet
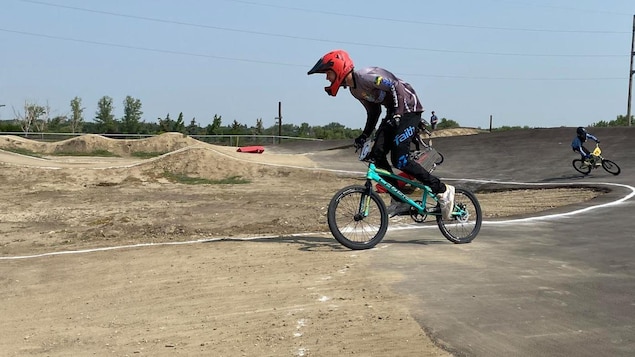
x=339, y=62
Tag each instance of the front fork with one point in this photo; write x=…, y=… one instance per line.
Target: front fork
x=364, y=202
x=595, y=161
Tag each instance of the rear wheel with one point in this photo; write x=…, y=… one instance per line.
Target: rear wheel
x=611, y=167
x=466, y=219
x=439, y=159
x=580, y=166
x=357, y=217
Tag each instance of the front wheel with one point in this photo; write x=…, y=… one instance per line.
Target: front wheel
x=466, y=219
x=611, y=167
x=357, y=217
x=581, y=167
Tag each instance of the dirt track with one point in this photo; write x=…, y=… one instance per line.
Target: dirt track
x=296, y=292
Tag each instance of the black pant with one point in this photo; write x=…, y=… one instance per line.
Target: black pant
x=584, y=152
x=396, y=140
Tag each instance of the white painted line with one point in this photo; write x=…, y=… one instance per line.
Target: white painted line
x=140, y=245
x=390, y=228
x=559, y=215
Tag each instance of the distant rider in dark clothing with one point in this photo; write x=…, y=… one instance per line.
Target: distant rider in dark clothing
x=578, y=142
x=375, y=87
x=433, y=121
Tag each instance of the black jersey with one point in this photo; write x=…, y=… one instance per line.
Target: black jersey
x=375, y=87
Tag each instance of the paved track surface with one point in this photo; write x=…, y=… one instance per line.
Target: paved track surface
x=562, y=284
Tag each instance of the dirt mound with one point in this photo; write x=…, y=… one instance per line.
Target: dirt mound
x=89, y=143
x=157, y=144
x=455, y=132
x=11, y=142
x=209, y=163
x=164, y=143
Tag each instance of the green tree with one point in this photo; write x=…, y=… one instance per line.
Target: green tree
x=77, y=115
x=42, y=123
x=166, y=124
x=131, y=121
x=192, y=128
x=179, y=126
x=305, y=130
x=104, y=117
x=33, y=114
x=215, y=127
x=57, y=124
x=9, y=125
x=621, y=120
x=334, y=131
x=259, y=129
x=447, y=124
x=237, y=128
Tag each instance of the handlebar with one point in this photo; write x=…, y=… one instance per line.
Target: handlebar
x=365, y=150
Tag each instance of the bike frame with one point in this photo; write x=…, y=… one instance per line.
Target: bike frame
x=356, y=201
x=377, y=175
x=429, y=135
x=596, y=156
x=421, y=140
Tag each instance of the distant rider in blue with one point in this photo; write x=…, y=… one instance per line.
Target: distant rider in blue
x=578, y=142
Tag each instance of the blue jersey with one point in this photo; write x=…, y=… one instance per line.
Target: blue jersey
x=577, y=143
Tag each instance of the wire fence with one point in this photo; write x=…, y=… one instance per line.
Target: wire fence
x=225, y=140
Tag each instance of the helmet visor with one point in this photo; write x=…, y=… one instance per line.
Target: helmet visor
x=320, y=67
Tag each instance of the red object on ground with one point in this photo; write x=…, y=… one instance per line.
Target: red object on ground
x=400, y=184
x=256, y=149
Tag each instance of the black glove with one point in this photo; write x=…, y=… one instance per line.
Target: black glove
x=394, y=121
x=360, y=141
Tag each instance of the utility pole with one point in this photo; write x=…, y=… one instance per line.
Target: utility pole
x=279, y=119
x=630, y=76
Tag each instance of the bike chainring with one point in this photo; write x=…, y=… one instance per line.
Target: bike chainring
x=415, y=215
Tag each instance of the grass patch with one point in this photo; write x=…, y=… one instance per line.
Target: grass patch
x=147, y=154
x=100, y=153
x=100, y=221
x=187, y=180
x=23, y=151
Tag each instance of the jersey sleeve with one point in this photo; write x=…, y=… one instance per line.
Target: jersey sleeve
x=592, y=137
x=391, y=86
x=373, y=111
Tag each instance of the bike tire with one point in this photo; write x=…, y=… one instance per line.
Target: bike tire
x=349, y=226
x=578, y=166
x=439, y=159
x=462, y=229
x=611, y=167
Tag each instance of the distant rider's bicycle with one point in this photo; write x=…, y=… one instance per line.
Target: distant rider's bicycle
x=358, y=219
x=596, y=160
x=424, y=151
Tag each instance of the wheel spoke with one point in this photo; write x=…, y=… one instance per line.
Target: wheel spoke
x=357, y=221
x=466, y=220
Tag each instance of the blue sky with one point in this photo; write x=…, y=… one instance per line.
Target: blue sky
x=543, y=63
